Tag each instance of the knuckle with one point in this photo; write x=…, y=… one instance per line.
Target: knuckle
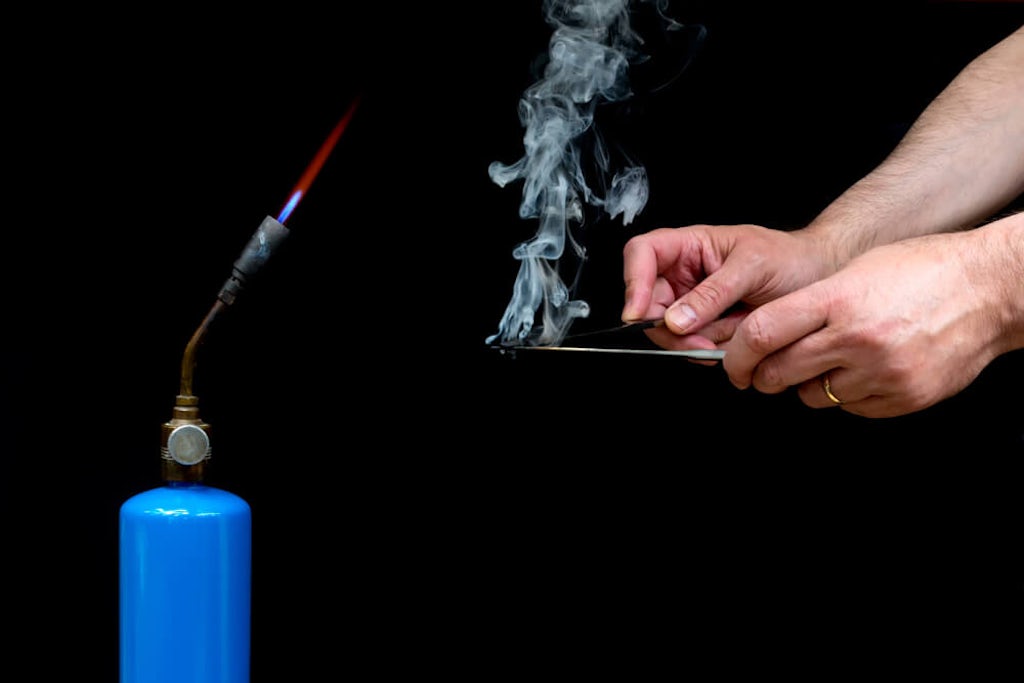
x=758, y=333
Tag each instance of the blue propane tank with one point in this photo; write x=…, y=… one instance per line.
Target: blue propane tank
x=185, y=569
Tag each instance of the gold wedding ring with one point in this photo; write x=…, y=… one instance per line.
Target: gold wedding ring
x=827, y=386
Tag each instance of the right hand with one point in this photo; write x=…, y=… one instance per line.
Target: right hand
x=703, y=279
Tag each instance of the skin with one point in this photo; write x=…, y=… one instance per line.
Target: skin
x=901, y=291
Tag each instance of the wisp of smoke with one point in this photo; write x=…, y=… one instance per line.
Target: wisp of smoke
x=589, y=54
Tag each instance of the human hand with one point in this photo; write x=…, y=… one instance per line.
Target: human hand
x=900, y=328
x=703, y=279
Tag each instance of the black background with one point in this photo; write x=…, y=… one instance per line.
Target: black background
x=423, y=503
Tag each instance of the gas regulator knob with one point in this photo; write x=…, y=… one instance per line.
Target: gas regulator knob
x=188, y=444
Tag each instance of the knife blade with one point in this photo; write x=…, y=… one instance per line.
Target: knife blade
x=697, y=354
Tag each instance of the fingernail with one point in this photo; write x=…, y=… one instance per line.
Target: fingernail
x=629, y=311
x=682, y=316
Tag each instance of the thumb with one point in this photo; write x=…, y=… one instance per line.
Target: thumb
x=706, y=302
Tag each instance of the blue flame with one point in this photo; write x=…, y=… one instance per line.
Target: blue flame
x=289, y=207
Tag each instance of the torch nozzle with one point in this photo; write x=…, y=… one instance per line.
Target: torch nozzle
x=261, y=245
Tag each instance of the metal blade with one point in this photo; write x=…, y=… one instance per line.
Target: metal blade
x=700, y=354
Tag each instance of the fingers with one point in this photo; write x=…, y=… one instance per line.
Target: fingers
x=770, y=328
x=693, y=265
x=721, y=330
x=847, y=395
x=645, y=258
x=706, y=301
x=824, y=391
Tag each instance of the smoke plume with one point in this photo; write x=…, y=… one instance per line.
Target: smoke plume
x=567, y=166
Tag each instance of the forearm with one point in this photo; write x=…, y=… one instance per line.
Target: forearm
x=995, y=266
x=961, y=161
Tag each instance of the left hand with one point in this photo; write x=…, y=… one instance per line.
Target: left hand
x=900, y=328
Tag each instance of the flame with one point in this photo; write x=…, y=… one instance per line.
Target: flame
x=318, y=161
